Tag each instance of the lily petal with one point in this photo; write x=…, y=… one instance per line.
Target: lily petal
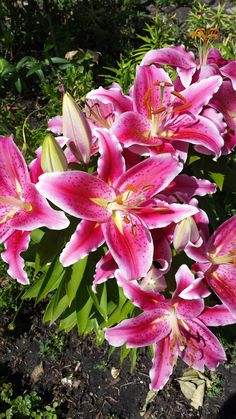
x=110, y=151
x=143, y=330
x=149, y=177
x=203, y=347
x=87, y=238
x=105, y=269
x=18, y=242
x=218, y=315
x=146, y=300
x=165, y=358
x=130, y=244
x=78, y=193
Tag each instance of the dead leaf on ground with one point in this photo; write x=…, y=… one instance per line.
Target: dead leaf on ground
x=149, y=399
x=37, y=373
x=193, y=385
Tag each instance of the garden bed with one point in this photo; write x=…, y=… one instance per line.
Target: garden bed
x=84, y=382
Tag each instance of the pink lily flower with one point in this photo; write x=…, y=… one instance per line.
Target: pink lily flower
x=173, y=326
x=104, y=105
x=175, y=56
x=163, y=116
x=217, y=259
x=123, y=206
x=22, y=208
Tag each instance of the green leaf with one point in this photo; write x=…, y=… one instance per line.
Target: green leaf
x=59, y=60
x=18, y=85
x=97, y=305
x=77, y=272
x=34, y=288
x=83, y=316
x=51, y=280
x=218, y=178
x=57, y=304
x=36, y=235
x=124, y=352
x=69, y=320
x=192, y=159
x=53, y=242
x=133, y=358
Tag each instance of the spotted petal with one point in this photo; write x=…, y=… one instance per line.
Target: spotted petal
x=18, y=242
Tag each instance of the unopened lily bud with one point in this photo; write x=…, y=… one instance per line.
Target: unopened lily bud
x=53, y=159
x=186, y=232
x=76, y=128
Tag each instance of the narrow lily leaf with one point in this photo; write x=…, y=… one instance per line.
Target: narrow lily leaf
x=77, y=272
x=51, y=280
x=57, y=304
x=33, y=290
x=133, y=358
x=69, y=320
x=218, y=179
x=83, y=316
x=103, y=301
x=97, y=304
x=124, y=352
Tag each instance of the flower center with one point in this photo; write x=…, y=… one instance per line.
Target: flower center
x=164, y=117
x=16, y=204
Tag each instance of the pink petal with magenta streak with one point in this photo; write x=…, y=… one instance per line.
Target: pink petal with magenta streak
x=165, y=357
x=143, y=330
x=188, y=186
x=202, y=347
x=40, y=214
x=13, y=170
x=110, y=152
x=223, y=240
x=130, y=244
x=161, y=214
x=87, y=237
x=218, y=315
x=221, y=278
x=198, y=94
x=114, y=95
x=18, y=242
x=175, y=57
x=105, y=269
x=148, y=177
x=203, y=133
x=74, y=191
x=146, y=300
x=146, y=94
x=198, y=289
x=162, y=251
x=184, y=278
x=133, y=128
x=229, y=70
x=186, y=309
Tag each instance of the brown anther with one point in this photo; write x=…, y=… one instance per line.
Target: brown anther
x=163, y=83
x=159, y=110
x=182, y=107
x=134, y=230
x=126, y=220
x=147, y=187
x=146, y=96
x=177, y=94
